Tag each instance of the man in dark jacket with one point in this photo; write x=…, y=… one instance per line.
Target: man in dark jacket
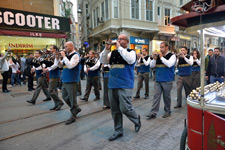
x=216, y=67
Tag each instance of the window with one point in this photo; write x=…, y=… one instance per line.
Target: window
x=167, y=17
x=86, y=8
x=135, y=9
x=97, y=15
x=158, y=15
x=103, y=10
x=94, y=18
x=149, y=10
x=181, y=2
x=115, y=9
x=106, y=9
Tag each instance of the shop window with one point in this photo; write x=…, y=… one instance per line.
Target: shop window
x=167, y=17
x=149, y=10
x=135, y=9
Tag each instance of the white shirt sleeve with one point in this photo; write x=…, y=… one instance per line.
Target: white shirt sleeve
x=129, y=57
x=40, y=67
x=152, y=63
x=96, y=66
x=104, y=56
x=169, y=63
x=189, y=61
x=198, y=61
x=146, y=62
x=72, y=62
x=54, y=66
x=1, y=58
x=85, y=68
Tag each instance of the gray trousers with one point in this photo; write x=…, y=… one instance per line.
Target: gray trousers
x=53, y=91
x=195, y=79
x=69, y=95
x=143, y=77
x=120, y=102
x=105, y=93
x=92, y=81
x=41, y=85
x=165, y=88
x=183, y=81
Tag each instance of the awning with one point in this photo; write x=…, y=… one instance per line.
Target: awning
x=32, y=34
x=182, y=19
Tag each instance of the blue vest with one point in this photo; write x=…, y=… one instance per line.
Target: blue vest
x=144, y=68
x=71, y=75
x=91, y=63
x=38, y=73
x=164, y=73
x=121, y=74
x=54, y=73
x=184, y=69
x=195, y=67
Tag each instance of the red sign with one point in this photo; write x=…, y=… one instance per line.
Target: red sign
x=20, y=45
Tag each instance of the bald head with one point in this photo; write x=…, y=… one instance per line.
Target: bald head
x=69, y=47
x=123, y=40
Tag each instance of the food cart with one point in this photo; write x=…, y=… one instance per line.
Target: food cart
x=205, y=125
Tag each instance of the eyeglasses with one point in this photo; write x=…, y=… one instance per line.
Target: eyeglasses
x=120, y=39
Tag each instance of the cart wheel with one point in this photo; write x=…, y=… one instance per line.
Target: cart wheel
x=184, y=140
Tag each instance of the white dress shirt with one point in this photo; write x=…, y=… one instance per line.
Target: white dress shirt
x=169, y=63
x=4, y=66
x=189, y=61
x=145, y=62
x=54, y=66
x=96, y=66
x=129, y=57
x=72, y=62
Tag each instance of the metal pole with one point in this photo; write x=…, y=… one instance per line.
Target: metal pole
x=202, y=68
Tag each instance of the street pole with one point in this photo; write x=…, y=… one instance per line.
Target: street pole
x=202, y=68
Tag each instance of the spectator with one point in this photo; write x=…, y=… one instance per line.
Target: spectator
x=216, y=67
x=15, y=72
x=207, y=58
x=4, y=66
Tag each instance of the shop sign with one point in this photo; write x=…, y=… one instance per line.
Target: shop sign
x=141, y=41
x=185, y=37
x=20, y=45
x=10, y=18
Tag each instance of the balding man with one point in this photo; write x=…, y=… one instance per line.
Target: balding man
x=121, y=84
x=70, y=79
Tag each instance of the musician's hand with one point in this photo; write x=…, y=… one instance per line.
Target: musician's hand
x=160, y=54
x=182, y=55
x=108, y=46
x=117, y=45
x=44, y=71
x=32, y=69
x=142, y=56
x=63, y=54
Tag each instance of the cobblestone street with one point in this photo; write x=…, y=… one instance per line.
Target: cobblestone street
x=24, y=127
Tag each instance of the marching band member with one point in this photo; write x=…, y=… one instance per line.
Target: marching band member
x=70, y=79
x=184, y=64
x=121, y=84
x=105, y=90
x=164, y=63
x=42, y=83
x=92, y=69
x=143, y=74
x=54, y=75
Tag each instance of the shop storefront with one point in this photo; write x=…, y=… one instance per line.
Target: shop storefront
x=25, y=32
x=139, y=43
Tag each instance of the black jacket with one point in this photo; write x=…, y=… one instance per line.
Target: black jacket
x=216, y=66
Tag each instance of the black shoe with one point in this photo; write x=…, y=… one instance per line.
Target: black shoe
x=146, y=97
x=150, y=116
x=33, y=89
x=177, y=106
x=83, y=99
x=115, y=136
x=5, y=91
x=59, y=107
x=166, y=115
x=30, y=90
x=136, y=96
x=53, y=108
x=47, y=99
x=138, y=126
x=69, y=121
x=30, y=101
x=97, y=98
x=78, y=110
x=105, y=107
